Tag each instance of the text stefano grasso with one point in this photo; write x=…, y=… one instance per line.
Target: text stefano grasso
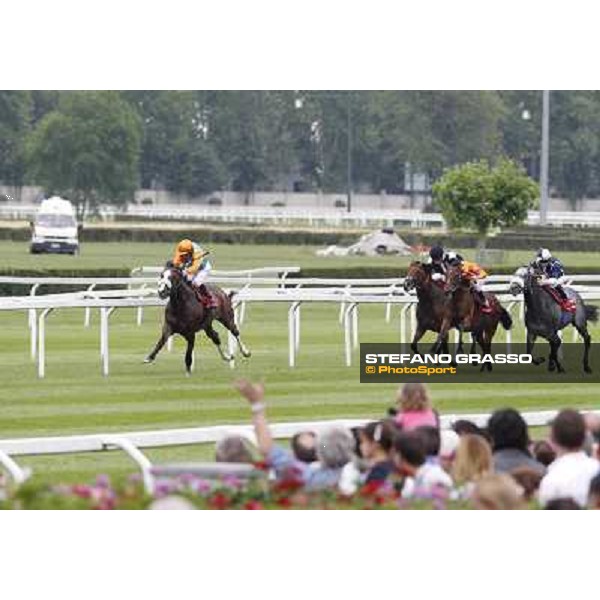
x=447, y=359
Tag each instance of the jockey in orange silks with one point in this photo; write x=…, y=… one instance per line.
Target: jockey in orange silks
x=193, y=260
x=475, y=275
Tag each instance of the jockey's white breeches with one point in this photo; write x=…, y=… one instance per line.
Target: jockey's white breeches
x=438, y=277
x=202, y=275
x=552, y=281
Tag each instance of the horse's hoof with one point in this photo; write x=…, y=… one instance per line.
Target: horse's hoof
x=188, y=373
x=247, y=354
x=148, y=360
x=587, y=369
x=538, y=361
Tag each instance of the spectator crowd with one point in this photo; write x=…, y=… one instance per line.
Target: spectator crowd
x=404, y=460
x=408, y=454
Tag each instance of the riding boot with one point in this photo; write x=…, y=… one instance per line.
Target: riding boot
x=566, y=303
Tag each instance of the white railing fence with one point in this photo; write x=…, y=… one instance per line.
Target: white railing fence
x=314, y=216
x=132, y=443
x=347, y=293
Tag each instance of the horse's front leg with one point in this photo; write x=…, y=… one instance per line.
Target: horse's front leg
x=166, y=334
x=419, y=333
x=553, y=362
x=531, y=337
x=445, y=347
x=189, y=353
x=443, y=334
x=473, y=349
x=459, y=347
x=587, y=340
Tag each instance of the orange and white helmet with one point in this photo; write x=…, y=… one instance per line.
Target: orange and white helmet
x=185, y=247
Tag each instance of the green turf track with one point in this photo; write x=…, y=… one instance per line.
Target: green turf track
x=75, y=398
x=228, y=256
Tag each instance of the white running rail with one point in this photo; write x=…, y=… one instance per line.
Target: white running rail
x=132, y=443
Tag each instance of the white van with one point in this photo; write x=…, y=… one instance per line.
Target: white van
x=55, y=228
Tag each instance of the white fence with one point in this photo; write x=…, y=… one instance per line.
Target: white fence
x=348, y=294
x=337, y=217
x=132, y=442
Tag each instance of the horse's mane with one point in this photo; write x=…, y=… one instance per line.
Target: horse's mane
x=427, y=267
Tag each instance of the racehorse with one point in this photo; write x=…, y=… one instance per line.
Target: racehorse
x=465, y=311
x=185, y=314
x=432, y=306
x=545, y=318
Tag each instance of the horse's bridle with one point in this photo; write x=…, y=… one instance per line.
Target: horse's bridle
x=412, y=281
x=166, y=287
x=453, y=281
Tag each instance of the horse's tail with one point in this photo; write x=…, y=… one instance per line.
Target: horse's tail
x=591, y=313
x=505, y=319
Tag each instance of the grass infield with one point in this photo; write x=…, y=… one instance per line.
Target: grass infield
x=75, y=398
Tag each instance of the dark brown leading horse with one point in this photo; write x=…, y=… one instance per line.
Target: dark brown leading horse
x=433, y=307
x=466, y=311
x=186, y=315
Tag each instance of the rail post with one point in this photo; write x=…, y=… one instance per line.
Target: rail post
x=140, y=309
x=88, y=311
x=18, y=474
x=348, y=333
x=403, y=311
x=105, y=313
x=292, y=323
x=42, y=342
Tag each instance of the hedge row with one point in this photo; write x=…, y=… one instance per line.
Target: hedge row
x=9, y=289
x=521, y=239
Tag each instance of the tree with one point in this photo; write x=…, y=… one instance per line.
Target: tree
x=87, y=149
x=174, y=131
x=575, y=144
x=478, y=196
x=195, y=169
x=15, y=109
x=249, y=131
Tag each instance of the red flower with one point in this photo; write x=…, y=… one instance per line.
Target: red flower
x=262, y=465
x=284, y=502
x=370, y=488
x=219, y=501
x=253, y=505
x=288, y=485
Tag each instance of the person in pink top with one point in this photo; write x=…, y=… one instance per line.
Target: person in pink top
x=414, y=407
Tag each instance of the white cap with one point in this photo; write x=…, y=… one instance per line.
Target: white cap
x=545, y=254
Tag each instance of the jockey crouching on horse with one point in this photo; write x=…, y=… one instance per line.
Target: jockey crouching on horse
x=193, y=260
x=553, y=276
x=475, y=275
x=439, y=264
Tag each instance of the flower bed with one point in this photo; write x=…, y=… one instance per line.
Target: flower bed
x=228, y=493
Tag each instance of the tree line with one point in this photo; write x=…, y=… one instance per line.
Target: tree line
x=100, y=146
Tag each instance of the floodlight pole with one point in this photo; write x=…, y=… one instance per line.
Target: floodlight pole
x=349, y=155
x=544, y=157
